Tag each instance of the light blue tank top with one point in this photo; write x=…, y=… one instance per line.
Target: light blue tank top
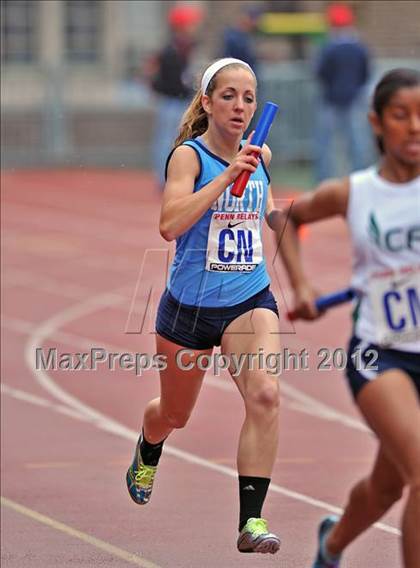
x=219, y=261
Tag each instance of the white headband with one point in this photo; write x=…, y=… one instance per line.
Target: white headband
x=211, y=71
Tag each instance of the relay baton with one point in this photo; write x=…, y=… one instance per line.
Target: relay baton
x=329, y=301
x=258, y=139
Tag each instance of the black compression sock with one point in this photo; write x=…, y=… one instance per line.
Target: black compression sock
x=252, y=492
x=150, y=453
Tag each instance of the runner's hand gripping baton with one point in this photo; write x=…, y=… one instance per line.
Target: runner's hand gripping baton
x=329, y=301
x=258, y=139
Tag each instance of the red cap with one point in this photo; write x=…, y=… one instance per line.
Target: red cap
x=340, y=15
x=183, y=15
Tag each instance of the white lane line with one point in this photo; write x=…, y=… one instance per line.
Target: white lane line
x=75, y=533
x=301, y=402
x=35, y=281
x=89, y=227
x=42, y=283
x=17, y=325
x=67, y=338
x=39, y=401
x=295, y=399
x=110, y=425
x=320, y=409
x=25, y=396
x=51, y=325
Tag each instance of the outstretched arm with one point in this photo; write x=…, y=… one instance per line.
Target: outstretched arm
x=328, y=200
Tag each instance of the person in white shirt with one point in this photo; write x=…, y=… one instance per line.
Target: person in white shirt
x=382, y=208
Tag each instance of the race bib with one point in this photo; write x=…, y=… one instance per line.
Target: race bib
x=234, y=242
x=395, y=297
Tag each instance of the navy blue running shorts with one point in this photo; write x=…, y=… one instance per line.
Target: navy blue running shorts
x=366, y=360
x=202, y=328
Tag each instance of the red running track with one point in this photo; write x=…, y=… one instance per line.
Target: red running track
x=73, y=246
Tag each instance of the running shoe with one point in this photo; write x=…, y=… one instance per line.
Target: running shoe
x=140, y=479
x=254, y=537
x=324, y=528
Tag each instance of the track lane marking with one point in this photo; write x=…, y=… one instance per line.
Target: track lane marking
x=129, y=557
x=43, y=402
x=54, y=323
x=47, y=329
x=34, y=217
x=110, y=425
x=299, y=401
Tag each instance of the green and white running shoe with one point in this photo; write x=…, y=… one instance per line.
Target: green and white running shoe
x=140, y=479
x=254, y=537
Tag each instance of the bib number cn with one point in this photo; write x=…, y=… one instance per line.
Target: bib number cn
x=234, y=242
x=395, y=297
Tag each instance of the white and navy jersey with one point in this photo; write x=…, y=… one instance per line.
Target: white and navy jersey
x=384, y=223
x=219, y=261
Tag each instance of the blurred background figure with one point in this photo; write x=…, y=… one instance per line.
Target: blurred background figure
x=77, y=76
x=342, y=70
x=172, y=81
x=237, y=37
x=238, y=42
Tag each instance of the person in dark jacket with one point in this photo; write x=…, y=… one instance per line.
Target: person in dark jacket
x=172, y=82
x=342, y=71
x=237, y=40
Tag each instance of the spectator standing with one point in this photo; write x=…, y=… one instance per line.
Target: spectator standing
x=342, y=71
x=172, y=82
x=237, y=39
